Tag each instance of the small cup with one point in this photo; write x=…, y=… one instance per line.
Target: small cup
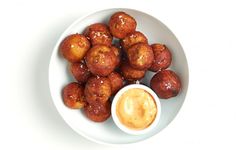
x=127, y=129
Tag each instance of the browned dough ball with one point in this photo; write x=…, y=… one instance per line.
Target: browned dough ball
x=97, y=89
x=133, y=38
x=140, y=56
x=116, y=82
x=166, y=84
x=73, y=96
x=80, y=71
x=98, y=112
x=74, y=47
x=130, y=73
x=162, y=57
x=117, y=52
x=121, y=24
x=101, y=60
x=98, y=33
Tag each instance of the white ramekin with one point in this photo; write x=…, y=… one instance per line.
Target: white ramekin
x=123, y=127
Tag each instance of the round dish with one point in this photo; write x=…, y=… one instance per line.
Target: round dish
x=153, y=125
x=107, y=132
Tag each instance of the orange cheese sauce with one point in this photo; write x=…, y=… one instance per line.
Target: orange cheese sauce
x=136, y=109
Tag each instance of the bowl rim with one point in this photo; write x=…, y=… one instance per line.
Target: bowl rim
x=61, y=37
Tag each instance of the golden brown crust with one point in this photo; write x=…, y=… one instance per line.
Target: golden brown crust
x=98, y=33
x=130, y=73
x=101, y=60
x=73, y=96
x=117, y=52
x=97, y=89
x=133, y=38
x=93, y=60
x=162, y=57
x=116, y=82
x=166, y=84
x=140, y=56
x=98, y=112
x=80, y=71
x=74, y=47
x=121, y=24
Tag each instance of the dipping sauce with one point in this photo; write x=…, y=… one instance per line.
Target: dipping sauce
x=136, y=109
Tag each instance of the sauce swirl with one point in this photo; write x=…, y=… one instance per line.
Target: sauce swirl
x=136, y=109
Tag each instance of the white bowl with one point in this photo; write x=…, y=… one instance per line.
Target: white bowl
x=107, y=132
x=128, y=130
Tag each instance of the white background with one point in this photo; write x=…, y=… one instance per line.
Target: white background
x=29, y=30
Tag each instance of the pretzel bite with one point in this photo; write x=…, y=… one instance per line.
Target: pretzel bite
x=98, y=33
x=80, y=71
x=140, y=56
x=130, y=73
x=73, y=96
x=121, y=24
x=162, y=57
x=74, y=47
x=97, y=89
x=133, y=38
x=117, y=52
x=101, y=60
x=116, y=82
x=98, y=112
x=166, y=84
